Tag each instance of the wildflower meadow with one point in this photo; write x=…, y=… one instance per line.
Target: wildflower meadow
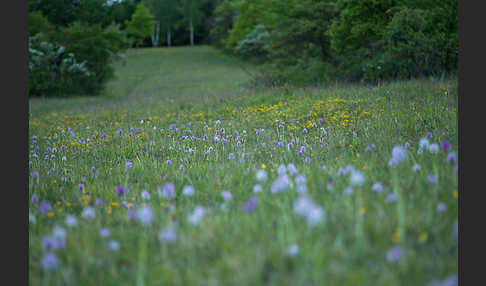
x=183, y=174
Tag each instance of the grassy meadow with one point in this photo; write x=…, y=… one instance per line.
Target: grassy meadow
x=182, y=174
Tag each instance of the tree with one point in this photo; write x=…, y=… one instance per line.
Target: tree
x=39, y=24
x=141, y=24
x=166, y=13
x=192, y=15
x=59, y=12
x=222, y=22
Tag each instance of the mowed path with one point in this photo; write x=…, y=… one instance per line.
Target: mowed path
x=157, y=75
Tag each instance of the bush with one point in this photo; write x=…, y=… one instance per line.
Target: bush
x=254, y=43
x=77, y=65
x=413, y=46
x=52, y=71
x=98, y=48
x=38, y=23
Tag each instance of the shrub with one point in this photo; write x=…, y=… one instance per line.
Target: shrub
x=52, y=71
x=254, y=43
x=140, y=25
x=38, y=23
x=79, y=64
x=97, y=47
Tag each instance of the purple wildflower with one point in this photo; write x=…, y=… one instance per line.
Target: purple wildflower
x=304, y=206
x=145, y=195
x=168, y=191
x=49, y=261
x=432, y=179
x=80, y=187
x=357, y=178
x=424, y=143
x=399, y=154
x=445, y=145
x=98, y=201
x=341, y=172
x=407, y=145
x=144, y=215
x=167, y=235
x=261, y=175
x=226, y=195
x=429, y=135
x=281, y=170
x=280, y=184
x=50, y=243
x=71, y=221
x=128, y=165
x=250, y=204
x=120, y=190
x=441, y=207
x=88, y=212
x=451, y=157
x=394, y=254
x=416, y=167
x=132, y=214
x=181, y=167
x=197, y=215
x=292, y=169
x=187, y=190
x=231, y=156
x=433, y=148
x=34, y=198
x=377, y=187
x=391, y=197
x=348, y=191
x=292, y=250
x=257, y=188
x=113, y=245
x=368, y=149
x=168, y=162
x=105, y=232
x=45, y=207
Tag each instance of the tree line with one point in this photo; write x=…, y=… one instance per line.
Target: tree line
x=72, y=42
x=316, y=41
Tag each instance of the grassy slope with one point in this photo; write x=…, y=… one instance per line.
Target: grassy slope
x=157, y=76
x=200, y=86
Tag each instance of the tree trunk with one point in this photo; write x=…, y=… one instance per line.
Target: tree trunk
x=155, y=35
x=191, y=29
x=168, y=37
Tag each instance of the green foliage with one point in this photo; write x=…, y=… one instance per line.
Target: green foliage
x=140, y=25
x=38, y=23
x=59, y=13
x=93, y=12
x=120, y=12
x=298, y=44
x=222, y=22
x=53, y=71
x=249, y=14
x=254, y=43
x=79, y=64
x=347, y=40
x=97, y=46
